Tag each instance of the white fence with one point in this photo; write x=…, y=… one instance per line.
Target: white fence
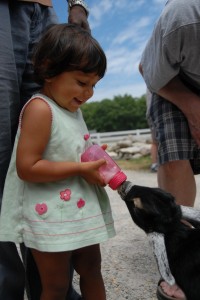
x=116, y=136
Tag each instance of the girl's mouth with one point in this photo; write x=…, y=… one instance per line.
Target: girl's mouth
x=79, y=102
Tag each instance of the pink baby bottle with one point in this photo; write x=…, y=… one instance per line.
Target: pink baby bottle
x=110, y=171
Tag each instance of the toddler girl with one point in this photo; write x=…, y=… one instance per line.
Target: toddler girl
x=52, y=202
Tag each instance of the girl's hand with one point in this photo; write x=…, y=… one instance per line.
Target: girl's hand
x=90, y=172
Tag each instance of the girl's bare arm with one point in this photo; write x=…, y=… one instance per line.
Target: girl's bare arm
x=35, y=134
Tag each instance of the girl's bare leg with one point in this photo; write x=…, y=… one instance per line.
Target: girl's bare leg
x=87, y=263
x=54, y=273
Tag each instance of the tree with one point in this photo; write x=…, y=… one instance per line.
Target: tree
x=120, y=113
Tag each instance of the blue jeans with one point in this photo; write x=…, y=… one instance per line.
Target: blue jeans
x=22, y=24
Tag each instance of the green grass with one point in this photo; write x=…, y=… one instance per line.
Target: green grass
x=142, y=163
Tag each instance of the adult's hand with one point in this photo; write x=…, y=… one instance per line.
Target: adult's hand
x=77, y=15
x=193, y=117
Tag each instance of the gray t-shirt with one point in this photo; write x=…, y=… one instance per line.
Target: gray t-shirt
x=174, y=47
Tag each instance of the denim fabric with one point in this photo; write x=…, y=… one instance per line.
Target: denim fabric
x=20, y=28
x=21, y=25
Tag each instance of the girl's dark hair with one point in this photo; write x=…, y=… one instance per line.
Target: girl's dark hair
x=67, y=47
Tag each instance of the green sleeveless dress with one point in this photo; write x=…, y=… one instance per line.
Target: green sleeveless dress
x=62, y=215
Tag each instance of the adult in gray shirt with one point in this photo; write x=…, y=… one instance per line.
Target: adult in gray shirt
x=170, y=66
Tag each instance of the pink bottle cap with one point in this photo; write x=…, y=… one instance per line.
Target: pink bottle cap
x=117, y=180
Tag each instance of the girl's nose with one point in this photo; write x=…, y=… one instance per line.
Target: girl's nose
x=88, y=93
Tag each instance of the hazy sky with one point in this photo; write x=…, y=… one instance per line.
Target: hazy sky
x=122, y=27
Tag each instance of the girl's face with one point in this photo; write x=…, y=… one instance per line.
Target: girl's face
x=70, y=89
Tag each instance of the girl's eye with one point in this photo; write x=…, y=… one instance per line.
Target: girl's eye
x=81, y=83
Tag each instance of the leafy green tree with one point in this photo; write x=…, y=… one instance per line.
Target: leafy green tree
x=120, y=113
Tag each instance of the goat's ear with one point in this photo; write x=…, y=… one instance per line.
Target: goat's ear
x=137, y=203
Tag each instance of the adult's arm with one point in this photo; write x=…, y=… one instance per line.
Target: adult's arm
x=187, y=101
x=78, y=13
x=168, y=55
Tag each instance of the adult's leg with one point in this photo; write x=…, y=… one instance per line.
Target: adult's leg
x=29, y=21
x=177, y=178
x=11, y=267
x=9, y=93
x=25, y=28
x=175, y=148
x=12, y=277
x=154, y=160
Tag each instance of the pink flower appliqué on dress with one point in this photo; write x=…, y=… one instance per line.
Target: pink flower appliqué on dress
x=65, y=195
x=41, y=208
x=86, y=136
x=80, y=203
